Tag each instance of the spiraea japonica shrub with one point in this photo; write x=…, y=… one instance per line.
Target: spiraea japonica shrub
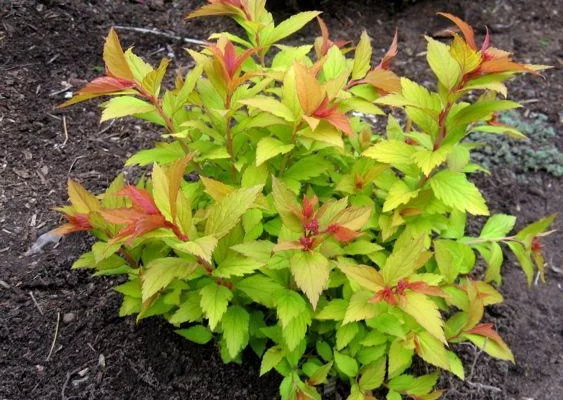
x=275, y=218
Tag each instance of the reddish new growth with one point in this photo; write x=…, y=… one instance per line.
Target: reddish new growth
x=393, y=295
x=536, y=245
x=143, y=217
x=76, y=222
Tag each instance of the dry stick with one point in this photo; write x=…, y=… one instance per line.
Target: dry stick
x=54, y=336
x=36, y=303
x=65, y=131
x=158, y=33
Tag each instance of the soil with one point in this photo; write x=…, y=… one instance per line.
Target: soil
x=50, y=44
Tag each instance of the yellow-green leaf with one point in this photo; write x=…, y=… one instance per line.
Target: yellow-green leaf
x=455, y=191
x=362, y=57
x=269, y=147
x=311, y=273
x=425, y=312
x=391, y=152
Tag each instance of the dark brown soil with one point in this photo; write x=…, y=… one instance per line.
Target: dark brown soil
x=46, y=44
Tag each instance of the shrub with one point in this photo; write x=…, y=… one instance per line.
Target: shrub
x=275, y=218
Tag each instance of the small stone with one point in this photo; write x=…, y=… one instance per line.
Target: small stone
x=40, y=370
x=68, y=318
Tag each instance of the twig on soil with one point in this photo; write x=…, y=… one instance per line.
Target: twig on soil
x=65, y=130
x=106, y=128
x=158, y=33
x=36, y=303
x=70, y=374
x=54, y=336
x=480, y=386
x=57, y=92
x=74, y=162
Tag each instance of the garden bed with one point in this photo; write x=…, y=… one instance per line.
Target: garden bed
x=60, y=335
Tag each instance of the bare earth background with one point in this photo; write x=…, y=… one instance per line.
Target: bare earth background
x=48, y=45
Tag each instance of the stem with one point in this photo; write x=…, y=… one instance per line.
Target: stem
x=128, y=257
x=169, y=124
x=288, y=154
x=491, y=240
x=229, y=135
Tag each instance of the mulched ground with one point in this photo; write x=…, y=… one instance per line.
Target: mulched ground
x=48, y=45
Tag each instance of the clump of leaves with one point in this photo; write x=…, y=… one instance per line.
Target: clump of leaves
x=276, y=219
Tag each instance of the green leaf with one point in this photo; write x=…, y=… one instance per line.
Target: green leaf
x=427, y=160
x=445, y=67
x=334, y=310
x=259, y=250
x=432, y=350
x=455, y=191
x=226, y=214
x=235, y=329
x=321, y=373
x=498, y=226
x=494, y=258
x=202, y=247
x=311, y=273
x=399, y=194
x=198, y=334
x=373, y=375
x=214, y=301
x=307, y=168
x=456, y=366
x=362, y=247
x=335, y=66
x=124, y=105
x=403, y=261
x=271, y=358
x=425, y=312
x=414, y=386
x=346, y=364
x=362, y=57
x=270, y=105
x=260, y=289
x=491, y=347
x=501, y=130
x=237, y=266
x=479, y=111
x=189, y=310
x=160, y=272
x=289, y=305
x=286, y=203
x=400, y=358
x=295, y=331
x=289, y=27
x=453, y=258
x=360, y=308
x=345, y=334
x=391, y=152
x=365, y=276
x=269, y=147
x=524, y=259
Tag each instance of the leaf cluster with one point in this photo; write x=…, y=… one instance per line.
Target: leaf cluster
x=275, y=218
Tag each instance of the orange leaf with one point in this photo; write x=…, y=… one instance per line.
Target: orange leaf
x=503, y=65
x=464, y=27
x=175, y=174
x=391, y=53
x=309, y=91
x=342, y=234
x=141, y=199
x=114, y=58
x=340, y=121
x=384, y=80
x=106, y=84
